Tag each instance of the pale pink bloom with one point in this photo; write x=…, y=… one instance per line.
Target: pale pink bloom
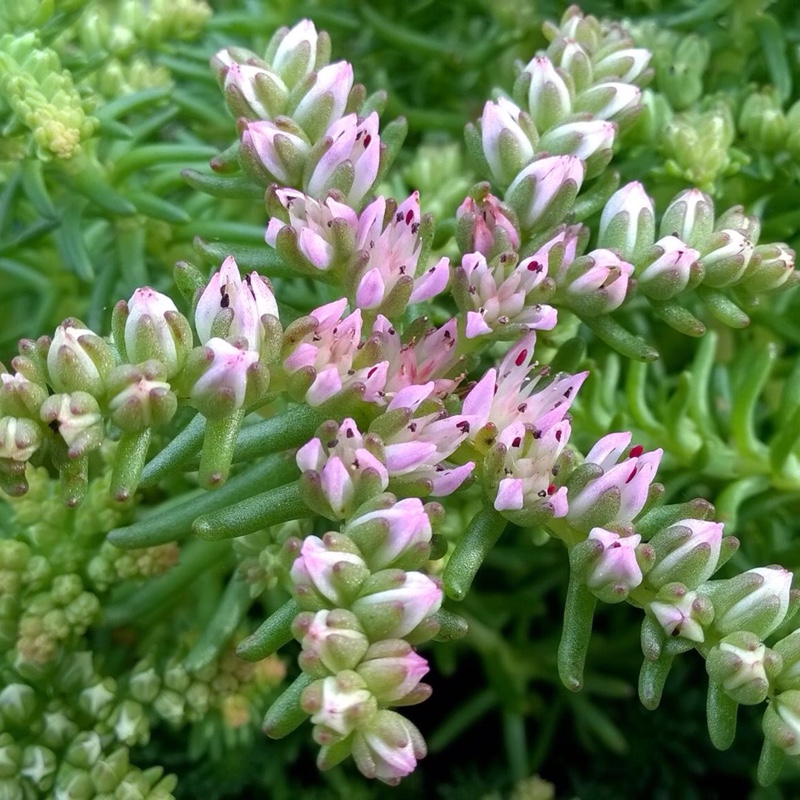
x=549, y=99
x=770, y=595
x=499, y=295
x=623, y=216
x=507, y=395
x=603, y=284
x=264, y=139
x=609, y=100
x=679, y=618
x=528, y=468
x=392, y=669
x=316, y=568
x=500, y=129
x=301, y=39
x=313, y=221
x=227, y=374
x=356, y=144
x=249, y=299
x=388, y=747
x=339, y=705
x=630, y=479
x=393, y=251
x=616, y=568
x=555, y=177
x=340, y=464
x=706, y=536
x=674, y=264
x=626, y=65
x=330, y=92
x=406, y=526
x=581, y=139
x=418, y=596
x=488, y=218
x=428, y=358
x=147, y=306
x=330, y=350
x=245, y=77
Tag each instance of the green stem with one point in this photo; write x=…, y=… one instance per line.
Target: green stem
x=285, y=714
x=480, y=537
x=516, y=744
x=229, y=613
x=217, y=453
x=271, y=635
x=577, y=631
x=128, y=463
x=177, y=454
x=281, y=504
x=169, y=525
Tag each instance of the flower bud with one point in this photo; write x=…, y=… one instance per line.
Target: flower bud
x=744, y=667
x=298, y=51
x=770, y=267
x=139, y=398
x=689, y=217
x=628, y=65
x=788, y=649
x=392, y=535
x=549, y=100
x=597, y=283
x=77, y=419
x=78, y=360
x=486, y=226
x=337, y=705
x=508, y=140
x=254, y=92
x=725, y=258
x=616, y=569
x=229, y=375
x=544, y=192
x=247, y=299
x=591, y=140
x=757, y=601
x=763, y=122
x=342, y=469
x=573, y=60
x=781, y=723
x=19, y=703
x=350, y=159
x=392, y=670
x=388, y=747
x=669, y=267
x=19, y=438
x=325, y=101
x=155, y=329
x=393, y=603
x=628, y=223
x=328, y=572
x=681, y=612
x=686, y=552
x=274, y=151
x=332, y=641
x=615, y=101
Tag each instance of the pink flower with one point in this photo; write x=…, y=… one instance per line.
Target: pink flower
x=429, y=358
x=150, y=330
x=326, y=100
x=597, y=283
x=506, y=395
x=392, y=670
x=412, y=598
x=337, y=704
x=333, y=640
x=545, y=190
x=317, y=568
x=499, y=294
x=226, y=377
x=507, y=147
x=278, y=150
x=581, y=139
x=255, y=85
x=686, y=552
x=628, y=480
x=351, y=161
x=669, y=272
x=486, y=226
x=393, y=252
x=549, y=98
x=341, y=463
x=249, y=299
x=297, y=51
x=627, y=223
x=388, y=747
x=615, y=571
x=314, y=223
x=395, y=531
x=528, y=468
x=329, y=349
x=609, y=100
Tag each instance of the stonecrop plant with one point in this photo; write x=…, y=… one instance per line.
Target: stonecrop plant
x=261, y=501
